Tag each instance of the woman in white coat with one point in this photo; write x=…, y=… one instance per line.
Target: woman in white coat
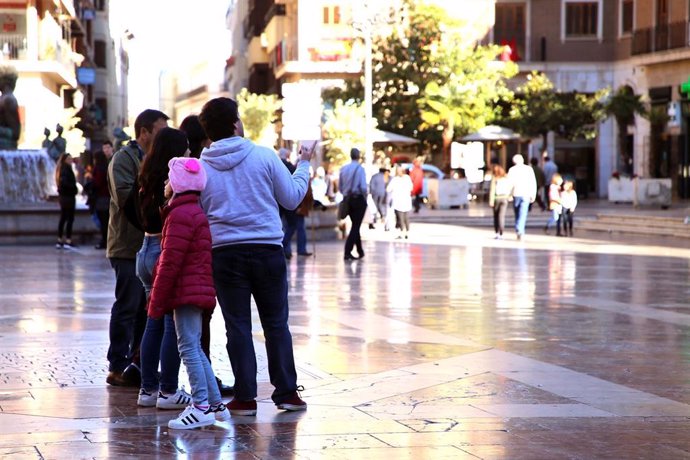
x=400, y=192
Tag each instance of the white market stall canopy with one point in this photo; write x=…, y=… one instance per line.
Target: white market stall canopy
x=392, y=138
x=492, y=133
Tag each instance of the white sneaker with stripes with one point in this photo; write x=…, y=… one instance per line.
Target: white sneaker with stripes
x=179, y=400
x=191, y=418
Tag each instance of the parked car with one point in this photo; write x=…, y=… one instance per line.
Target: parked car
x=430, y=172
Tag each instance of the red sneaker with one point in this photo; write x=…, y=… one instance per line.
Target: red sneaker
x=293, y=403
x=237, y=407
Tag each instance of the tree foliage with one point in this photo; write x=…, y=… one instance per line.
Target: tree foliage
x=473, y=84
x=259, y=112
x=539, y=108
x=343, y=128
x=403, y=63
x=623, y=105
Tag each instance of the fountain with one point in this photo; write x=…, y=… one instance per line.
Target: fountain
x=26, y=176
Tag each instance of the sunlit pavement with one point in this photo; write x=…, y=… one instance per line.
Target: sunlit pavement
x=448, y=345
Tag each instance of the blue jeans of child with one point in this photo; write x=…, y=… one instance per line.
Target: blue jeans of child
x=241, y=271
x=159, y=343
x=201, y=376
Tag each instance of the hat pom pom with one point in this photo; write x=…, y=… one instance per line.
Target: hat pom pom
x=191, y=165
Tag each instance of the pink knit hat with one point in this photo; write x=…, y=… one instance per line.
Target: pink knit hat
x=186, y=174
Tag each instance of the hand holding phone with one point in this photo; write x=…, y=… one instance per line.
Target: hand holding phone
x=306, y=150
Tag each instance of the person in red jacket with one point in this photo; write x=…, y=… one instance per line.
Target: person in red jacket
x=417, y=176
x=183, y=283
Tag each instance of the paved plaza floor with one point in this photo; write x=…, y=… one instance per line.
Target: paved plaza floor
x=450, y=345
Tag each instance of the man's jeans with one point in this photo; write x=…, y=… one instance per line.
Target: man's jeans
x=240, y=272
x=201, y=377
x=159, y=342
x=128, y=315
x=521, y=207
x=294, y=222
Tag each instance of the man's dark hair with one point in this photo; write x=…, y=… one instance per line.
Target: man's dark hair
x=546, y=158
x=147, y=119
x=108, y=143
x=195, y=134
x=534, y=161
x=354, y=154
x=218, y=117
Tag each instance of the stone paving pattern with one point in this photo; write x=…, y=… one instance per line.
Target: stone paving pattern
x=450, y=346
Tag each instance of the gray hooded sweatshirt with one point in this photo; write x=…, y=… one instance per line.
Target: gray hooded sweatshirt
x=246, y=183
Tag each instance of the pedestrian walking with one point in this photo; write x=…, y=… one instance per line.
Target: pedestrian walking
x=159, y=342
x=569, y=203
x=353, y=186
x=248, y=258
x=295, y=222
x=377, y=188
x=499, y=196
x=128, y=314
x=101, y=195
x=555, y=204
x=183, y=284
x=417, y=176
x=400, y=191
x=550, y=168
x=524, y=192
x=67, y=192
x=541, y=181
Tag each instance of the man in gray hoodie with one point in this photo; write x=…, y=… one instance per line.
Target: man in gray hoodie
x=246, y=185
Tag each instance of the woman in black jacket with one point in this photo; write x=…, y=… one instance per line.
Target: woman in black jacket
x=67, y=191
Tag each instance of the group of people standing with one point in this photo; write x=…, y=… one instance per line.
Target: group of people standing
x=197, y=235
x=522, y=185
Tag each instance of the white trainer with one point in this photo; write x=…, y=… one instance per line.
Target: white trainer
x=191, y=418
x=147, y=399
x=179, y=400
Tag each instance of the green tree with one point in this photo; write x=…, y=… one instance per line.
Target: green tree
x=473, y=84
x=343, y=128
x=259, y=112
x=538, y=109
x=403, y=64
x=623, y=105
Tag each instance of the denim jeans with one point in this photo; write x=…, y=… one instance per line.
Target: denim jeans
x=159, y=343
x=240, y=272
x=555, y=219
x=520, y=206
x=128, y=315
x=201, y=377
x=294, y=223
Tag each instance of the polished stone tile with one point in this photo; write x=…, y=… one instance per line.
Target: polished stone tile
x=451, y=345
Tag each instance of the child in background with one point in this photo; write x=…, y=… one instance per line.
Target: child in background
x=555, y=204
x=183, y=282
x=569, y=203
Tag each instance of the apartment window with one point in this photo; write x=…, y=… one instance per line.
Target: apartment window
x=99, y=57
x=510, y=29
x=331, y=15
x=100, y=5
x=581, y=19
x=661, y=12
x=627, y=7
x=101, y=114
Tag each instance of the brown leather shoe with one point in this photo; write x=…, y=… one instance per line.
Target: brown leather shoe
x=116, y=379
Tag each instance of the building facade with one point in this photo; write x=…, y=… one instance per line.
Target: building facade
x=587, y=45
x=581, y=45
x=61, y=50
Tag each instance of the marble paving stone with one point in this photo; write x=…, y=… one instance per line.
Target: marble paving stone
x=450, y=345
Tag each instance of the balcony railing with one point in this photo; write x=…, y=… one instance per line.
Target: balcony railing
x=13, y=46
x=661, y=38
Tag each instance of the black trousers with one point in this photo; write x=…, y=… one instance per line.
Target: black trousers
x=500, y=207
x=357, y=208
x=67, y=207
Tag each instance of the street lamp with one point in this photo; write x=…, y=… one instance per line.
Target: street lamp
x=366, y=20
